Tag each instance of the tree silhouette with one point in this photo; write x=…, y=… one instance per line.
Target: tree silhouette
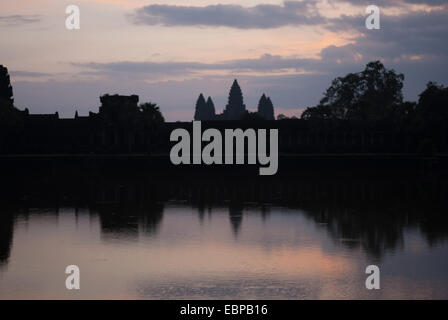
x=151, y=113
x=6, y=94
x=367, y=95
x=151, y=120
x=11, y=119
x=433, y=103
x=319, y=112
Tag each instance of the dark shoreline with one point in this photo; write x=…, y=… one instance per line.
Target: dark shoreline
x=84, y=178
x=161, y=164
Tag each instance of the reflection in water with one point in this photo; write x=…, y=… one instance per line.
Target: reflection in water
x=6, y=230
x=295, y=238
x=236, y=217
x=130, y=221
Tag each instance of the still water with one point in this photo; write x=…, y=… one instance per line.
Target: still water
x=176, y=250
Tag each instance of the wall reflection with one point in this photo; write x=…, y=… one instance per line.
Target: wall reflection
x=6, y=233
x=197, y=236
x=367, y=212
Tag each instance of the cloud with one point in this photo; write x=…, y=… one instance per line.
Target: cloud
x=405, y=41
x=428, y=2
x=261, y=16
x=18, y=19
x=122, y=67
x=28, y=74
x=415, y=33
x=394, y=3
x=267, y=63
x=412, y=42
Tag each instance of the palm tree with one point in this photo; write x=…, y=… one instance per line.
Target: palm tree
x=151, y=114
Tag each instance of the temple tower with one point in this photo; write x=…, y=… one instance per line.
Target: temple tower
x=235, y=108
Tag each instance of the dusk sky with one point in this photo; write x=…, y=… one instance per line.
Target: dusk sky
x=169, y=51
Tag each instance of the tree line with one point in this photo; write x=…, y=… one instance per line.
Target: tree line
x=375, y=94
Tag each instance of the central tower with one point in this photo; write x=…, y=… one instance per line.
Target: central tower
x=235, y=108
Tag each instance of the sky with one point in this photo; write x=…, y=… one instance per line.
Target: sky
x=169, y=51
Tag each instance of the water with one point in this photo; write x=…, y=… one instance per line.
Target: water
x=296, y=236
x=175, y=250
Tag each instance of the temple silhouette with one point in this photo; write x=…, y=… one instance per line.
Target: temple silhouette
x=235, y=108
x=374, y=121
